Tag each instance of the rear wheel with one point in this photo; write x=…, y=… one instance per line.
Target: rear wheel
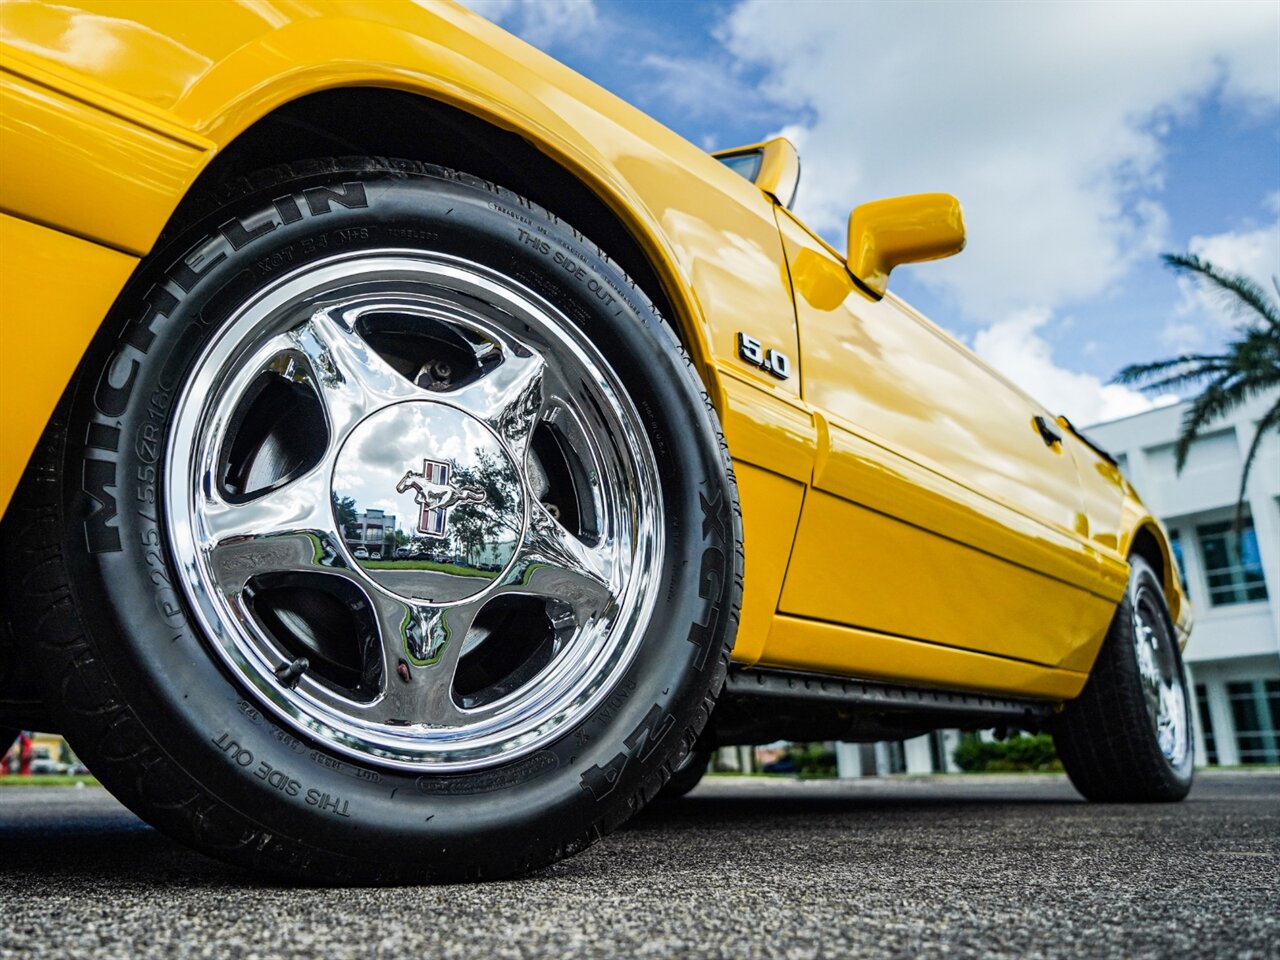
x=370, y=532
x=1128, y=737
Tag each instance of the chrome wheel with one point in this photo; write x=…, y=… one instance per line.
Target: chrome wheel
x=1161, y=677
x=413, y=509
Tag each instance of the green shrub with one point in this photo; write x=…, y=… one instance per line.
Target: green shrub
x=1023, y=752
x=815, y=760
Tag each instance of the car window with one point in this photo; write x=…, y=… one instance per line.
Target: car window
x=746, y=165
x=773, y=166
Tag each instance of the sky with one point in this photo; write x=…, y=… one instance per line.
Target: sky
x=1083, y=139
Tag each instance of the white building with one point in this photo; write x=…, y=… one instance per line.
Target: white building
x=370, y=530
x=1232, y=578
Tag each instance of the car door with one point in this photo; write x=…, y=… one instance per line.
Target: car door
x=942, y=507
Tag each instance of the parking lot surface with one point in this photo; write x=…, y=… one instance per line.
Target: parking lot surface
x=1012, y=866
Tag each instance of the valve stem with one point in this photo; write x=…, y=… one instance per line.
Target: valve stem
x=290, y=673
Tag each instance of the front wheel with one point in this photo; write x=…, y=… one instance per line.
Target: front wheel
x=400, y=538
x=1128, y=736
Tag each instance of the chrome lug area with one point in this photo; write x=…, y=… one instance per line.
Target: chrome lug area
x=414, y=510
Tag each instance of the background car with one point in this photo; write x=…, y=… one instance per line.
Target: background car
x=44, y=762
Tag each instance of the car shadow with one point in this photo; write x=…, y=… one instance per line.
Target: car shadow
x=106, y=844
x=115, y=851
x=709, y=807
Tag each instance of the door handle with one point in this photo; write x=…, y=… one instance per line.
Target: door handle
x=1048, y=434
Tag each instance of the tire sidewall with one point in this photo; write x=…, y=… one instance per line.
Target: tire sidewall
x=314, y=802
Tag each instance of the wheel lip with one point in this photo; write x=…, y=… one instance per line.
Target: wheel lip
x=631, y=622
x=1160, y=675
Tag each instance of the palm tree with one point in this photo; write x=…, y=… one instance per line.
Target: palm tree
x=1250, y=364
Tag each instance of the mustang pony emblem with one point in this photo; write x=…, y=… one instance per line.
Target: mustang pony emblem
x=436, y=495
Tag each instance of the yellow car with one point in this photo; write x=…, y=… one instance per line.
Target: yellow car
x=400, y=430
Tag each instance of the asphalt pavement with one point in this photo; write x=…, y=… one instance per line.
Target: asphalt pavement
x=981, y=866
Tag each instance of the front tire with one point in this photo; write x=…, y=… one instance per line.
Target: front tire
x=505, y=673
x=1127, y=737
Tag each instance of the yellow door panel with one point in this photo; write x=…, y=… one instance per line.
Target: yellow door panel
x=54, y=290
x=885, y=481
x=854, y=566
x=949, y=519
x=796, y=644
x=1102, y=486
x=86, y=171
x=770, y=511
x=885, y=372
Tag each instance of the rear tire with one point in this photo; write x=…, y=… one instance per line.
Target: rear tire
x=1128, y=736
x=312, y=768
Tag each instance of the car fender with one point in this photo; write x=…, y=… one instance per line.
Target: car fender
x=206, y=100
x=1141, y=532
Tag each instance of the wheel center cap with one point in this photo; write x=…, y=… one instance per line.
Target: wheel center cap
x=428, y=501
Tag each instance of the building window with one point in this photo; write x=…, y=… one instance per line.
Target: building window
x=891, y=757
x=1232, y=565
x=938, y=751
x=1206, y=724
x=1175, y=542
x=1255, y=707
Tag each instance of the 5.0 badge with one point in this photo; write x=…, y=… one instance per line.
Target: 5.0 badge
x=773, y=361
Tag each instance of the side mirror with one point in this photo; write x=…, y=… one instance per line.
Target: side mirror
x=773, y=166
x=886, y=233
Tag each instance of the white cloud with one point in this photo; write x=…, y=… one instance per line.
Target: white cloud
x=1015, y=347
x=1047, y=120
x=1043, y=118
x=1203, y=314
x=699, y=88
x=543, y=23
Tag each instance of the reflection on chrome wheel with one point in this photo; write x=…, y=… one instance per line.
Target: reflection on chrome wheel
x=415, y=509
x=1162, y=685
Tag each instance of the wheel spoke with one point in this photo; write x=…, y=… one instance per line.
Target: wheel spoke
x=285, y=530
x=302, y=505
x=235, y=563
x=509, y=397
x=1148, y=669
x=421, y=647
x=553, y=563
x=352, y=379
